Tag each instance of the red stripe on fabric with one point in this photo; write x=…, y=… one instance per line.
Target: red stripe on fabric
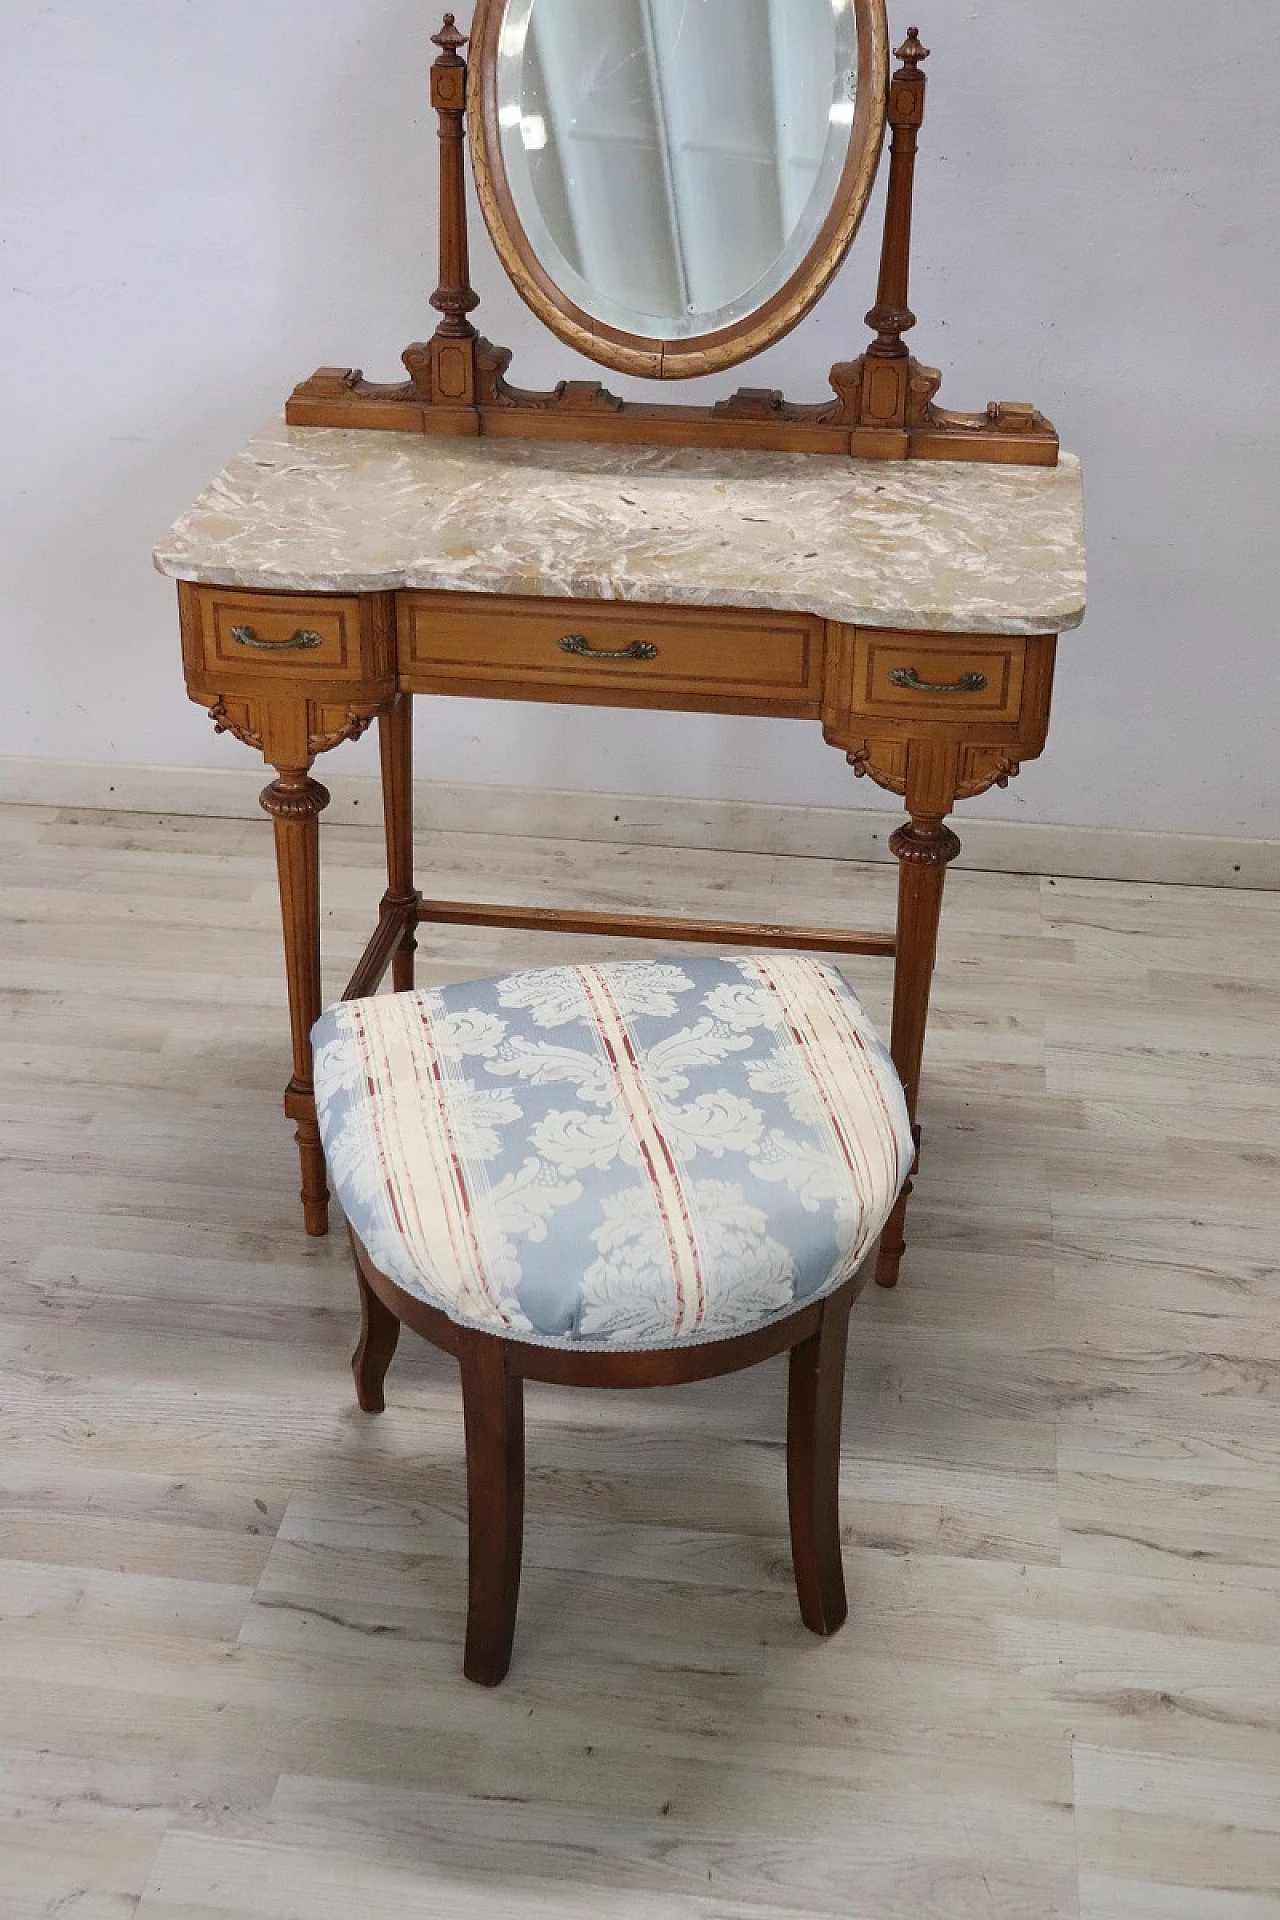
x=375, y=1118
x=859, y=1168
x=408, y=1212
x=805, y=1050
x=872, y=1076
x=588, y=977
x=667, y=1155
x=439, y=1083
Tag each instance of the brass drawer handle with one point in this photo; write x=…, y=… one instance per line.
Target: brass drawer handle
x=638, y=650
x=301, y=642
x=909, y=678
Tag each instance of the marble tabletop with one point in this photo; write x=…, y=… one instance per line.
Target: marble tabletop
x=921, y=545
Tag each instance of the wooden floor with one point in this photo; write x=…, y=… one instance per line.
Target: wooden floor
x=231, y=1607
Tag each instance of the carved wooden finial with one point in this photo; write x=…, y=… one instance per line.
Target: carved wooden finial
x=449, y=40
x=912, y=51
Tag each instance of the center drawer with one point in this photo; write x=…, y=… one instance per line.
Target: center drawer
x=696, y=657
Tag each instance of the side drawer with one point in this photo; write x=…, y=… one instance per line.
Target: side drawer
x=595, y=651
x=938, y=676
x=305, y=636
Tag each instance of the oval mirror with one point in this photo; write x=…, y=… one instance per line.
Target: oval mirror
x=671, y=184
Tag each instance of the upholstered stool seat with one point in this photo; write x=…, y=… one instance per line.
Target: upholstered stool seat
x=588, y=1172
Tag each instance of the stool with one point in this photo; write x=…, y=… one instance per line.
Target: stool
x=628, y=1175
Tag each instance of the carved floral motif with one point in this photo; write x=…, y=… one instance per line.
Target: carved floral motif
x=357, y=723
x=884, y=761
x=981, y=768
x=985, y=767
x=239, y=729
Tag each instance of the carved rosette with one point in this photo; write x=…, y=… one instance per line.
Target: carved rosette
x=924, y=843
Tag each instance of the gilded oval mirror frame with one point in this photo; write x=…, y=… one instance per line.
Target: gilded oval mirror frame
x=666, y=353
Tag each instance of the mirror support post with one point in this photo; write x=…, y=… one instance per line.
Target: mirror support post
x=887, y=365
x=446, y=366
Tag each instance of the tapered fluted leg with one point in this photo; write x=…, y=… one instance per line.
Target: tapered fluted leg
x=379, y=1337
x=295, y=802
x=924, y=848
x=815, y=1406
x=493, y=1406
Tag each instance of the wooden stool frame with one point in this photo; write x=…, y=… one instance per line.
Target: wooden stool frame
x=494, y=1370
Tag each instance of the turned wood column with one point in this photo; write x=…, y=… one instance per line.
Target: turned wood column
x=891, y=316
x=924, y=848
x=444, y=369
x=295, y=802
x=881, y=428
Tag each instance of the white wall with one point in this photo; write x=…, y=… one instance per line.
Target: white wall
x=202, y=200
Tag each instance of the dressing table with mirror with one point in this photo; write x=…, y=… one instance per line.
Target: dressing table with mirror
x=671, y=185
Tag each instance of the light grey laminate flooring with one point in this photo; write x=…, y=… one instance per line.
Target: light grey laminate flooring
x=231, y=1607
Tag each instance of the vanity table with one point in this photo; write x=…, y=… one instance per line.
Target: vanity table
x=893, y=574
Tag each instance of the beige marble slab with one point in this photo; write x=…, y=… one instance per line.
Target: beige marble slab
x=919, y=546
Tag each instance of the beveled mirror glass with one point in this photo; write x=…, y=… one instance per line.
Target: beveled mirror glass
x=673, y=182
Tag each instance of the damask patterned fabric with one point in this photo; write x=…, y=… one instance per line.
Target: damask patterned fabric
x=615, y=1157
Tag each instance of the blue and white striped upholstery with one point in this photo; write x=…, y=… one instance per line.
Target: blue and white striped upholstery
x=615, y=1157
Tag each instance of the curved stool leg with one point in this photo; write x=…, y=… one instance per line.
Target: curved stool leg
x=379, y=1336
x=493, y=1409
x=815, y=1405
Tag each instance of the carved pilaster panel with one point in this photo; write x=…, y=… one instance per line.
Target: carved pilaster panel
x=453, y=372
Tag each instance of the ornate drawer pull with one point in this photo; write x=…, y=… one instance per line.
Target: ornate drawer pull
x=301, y=642
x=909, y=678
x=579, y=644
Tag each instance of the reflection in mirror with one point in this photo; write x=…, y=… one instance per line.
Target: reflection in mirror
x=672, y=161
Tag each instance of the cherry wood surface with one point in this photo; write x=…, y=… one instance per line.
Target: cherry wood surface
x=716, y=659
x=648, y=926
